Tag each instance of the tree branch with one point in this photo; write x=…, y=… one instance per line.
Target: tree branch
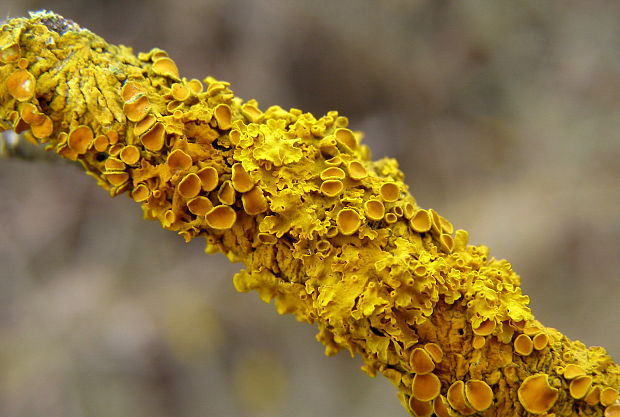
x=333, y=237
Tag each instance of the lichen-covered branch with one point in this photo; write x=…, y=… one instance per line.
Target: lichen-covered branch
x=328, y=234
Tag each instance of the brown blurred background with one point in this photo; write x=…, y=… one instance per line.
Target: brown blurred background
x=503, y=115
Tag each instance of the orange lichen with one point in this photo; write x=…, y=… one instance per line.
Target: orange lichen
x=153, y=140
x=226, y=194
x=117, y=178
x=389, y=192
x=425, y=387
x=447, y=242
x=190, y=186
x=608, y=396
x=254, y=202
x=593, y=396
x=100, y=143
x=130, y=155
x=223, y=116
x=421, y=221
x=348, y=221
x=456, y=398
x=523, y=345
x=435, y=351
x=251, y=111
x=114, y=164
x=195, y=86
x=200, y=206
x=573, y=371
x=166, y=67
x=420, y=408
x=144, y=125
x=536, y=395
x=31, y=114
x=137, y=108
x=357, y=171
x=375, y=210
x=332, y=188
x=21, y=85
x=180, y=92
x=485, y=328
x=612, y=411
x=478, y=342
x=478, y=394
x=391, y=218
x=43, y=129
x=132, y=89
x=209, y=178
x=179, y=160
x=541, y=340
x=9, y=53
x=241, y=180
x=328, y=234
x=221, y=217
x=80, y=138
x=421, y=361
x=112, y=137
x=332, y=173
x=140, y=193
x=346, y=137
x=440, y=407
x=580, y=386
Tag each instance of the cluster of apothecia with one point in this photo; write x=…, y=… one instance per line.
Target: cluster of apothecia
x=325, y=232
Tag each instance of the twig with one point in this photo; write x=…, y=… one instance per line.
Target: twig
x=330, y=235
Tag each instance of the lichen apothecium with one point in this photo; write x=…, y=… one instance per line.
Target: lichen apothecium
x=330, y=235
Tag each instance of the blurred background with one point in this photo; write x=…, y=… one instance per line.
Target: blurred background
x=503, y=115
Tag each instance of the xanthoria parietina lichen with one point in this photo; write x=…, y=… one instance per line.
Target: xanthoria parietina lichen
x=328, y=234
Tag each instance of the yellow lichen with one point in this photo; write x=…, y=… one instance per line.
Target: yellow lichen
x=580, y=386
x=80, y=138
x=209, y=178
x=478, y=394
x=425, y=387
x=332, y=188
x=523, y=345
x=421, y=361
x=389, y=192
x=254, y=202
x=200, y=206
x=421, y=221
x=612, y=411
x=166, y=67
x=536, y=395
x=190, y=186
x=608, y=396
x=541, y=340
x=325, y=232
x=420, y=408
x=21, y=85
x=130, y=155
x=241, y=180
x=179, y=160
x=435, y=351
x=153, y=139
x=221, y=217
x=440, y=407
x=456, y=398
x=374, y=209
x=357, y=171
x=573, y=371
x=348, y=221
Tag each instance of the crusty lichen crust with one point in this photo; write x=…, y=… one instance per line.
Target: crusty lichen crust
x=331, y=236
